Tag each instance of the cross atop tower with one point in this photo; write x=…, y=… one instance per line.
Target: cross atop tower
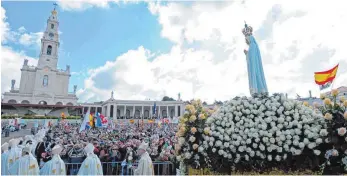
x=55, y=5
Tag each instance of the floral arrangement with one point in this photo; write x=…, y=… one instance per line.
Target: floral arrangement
x=335, y=115
x=189, y=136
x=259, y=133
x=166, y=154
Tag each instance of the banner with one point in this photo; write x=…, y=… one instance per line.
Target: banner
x=324, y=79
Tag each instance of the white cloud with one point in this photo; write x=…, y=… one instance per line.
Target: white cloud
x=21, y=29
x=11, y=70
x=296, y=39
x=28, y=39
x=11, y=61
x=82, y=5
x=6, y=34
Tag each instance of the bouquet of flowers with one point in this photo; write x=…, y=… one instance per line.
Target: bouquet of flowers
x=261, y=132
x=189, y=136
x=335, y=115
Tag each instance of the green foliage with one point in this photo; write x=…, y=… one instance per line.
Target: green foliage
x=166, y=98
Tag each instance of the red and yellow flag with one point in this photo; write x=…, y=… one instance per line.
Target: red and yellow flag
x=325, y=77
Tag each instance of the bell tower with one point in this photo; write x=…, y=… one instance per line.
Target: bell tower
x=50, y=43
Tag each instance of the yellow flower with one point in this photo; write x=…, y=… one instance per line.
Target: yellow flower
x=345, y=103
x=334, y=92
x=192, y=118
x=193, y=130
x=207, y=130
x=195, y=146
x=322, y=96
x=188, y=107
x=199, y=102
x=327, y=101
x=305, y=103
x=345, y=115
x=183, y=129
x=342, y=99
x=202, y=116
x=328, y=116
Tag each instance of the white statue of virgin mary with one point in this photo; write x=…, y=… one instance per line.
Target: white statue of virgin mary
x=256, y=78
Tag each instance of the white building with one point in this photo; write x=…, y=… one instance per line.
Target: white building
x=136, y=109
x=342, y=93
x=44, y=84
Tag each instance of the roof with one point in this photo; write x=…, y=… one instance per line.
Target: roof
x=40, y=105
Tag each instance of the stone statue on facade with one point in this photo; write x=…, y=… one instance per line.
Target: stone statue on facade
x=13, y=82
x=68, y=68
x=112, y=95
x=25, y=62
x=256, y=78
x=74, y=89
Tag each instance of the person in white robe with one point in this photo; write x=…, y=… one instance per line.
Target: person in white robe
x=4, y=159
x=56, y=165
x=14, y=154
x=145, y=165
x=26, y=165
x=91, y=165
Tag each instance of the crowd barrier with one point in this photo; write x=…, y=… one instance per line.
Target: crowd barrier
x=116, y=168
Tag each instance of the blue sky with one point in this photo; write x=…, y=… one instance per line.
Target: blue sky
x=92, y=37
x=151, y=49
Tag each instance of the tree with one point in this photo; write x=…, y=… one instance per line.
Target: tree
x=166, y=98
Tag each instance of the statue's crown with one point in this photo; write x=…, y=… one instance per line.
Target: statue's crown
x=247, y=31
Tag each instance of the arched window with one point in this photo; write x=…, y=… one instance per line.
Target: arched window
x=137, y=113
x=45, y=81
x=12, y=101
x=49, y=50
x=118, y=113
x=172, y=113
x=164, y=113
x=43, y=103
x=25, y=102
x=128, y=113
x=59, y=103
x=52, y=26
x=146, y=114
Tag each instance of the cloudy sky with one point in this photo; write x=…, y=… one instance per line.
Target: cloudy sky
x=151, y=49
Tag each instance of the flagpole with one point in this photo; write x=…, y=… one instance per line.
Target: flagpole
x=337, y=72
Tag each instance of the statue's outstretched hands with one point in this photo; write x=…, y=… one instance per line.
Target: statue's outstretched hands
x=245, y=51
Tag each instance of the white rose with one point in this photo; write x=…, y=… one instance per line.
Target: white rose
x=269, y=158
x=317, y=152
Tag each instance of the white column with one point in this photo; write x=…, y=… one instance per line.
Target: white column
x=150, y=111
x=134, y=111
x=176, y=111
x=167, y=111
x=89, y=108
x=96, y=110
x=114, y=112
x=143, y=112
x=108, y=111
x=159, y=112
x=125, y=110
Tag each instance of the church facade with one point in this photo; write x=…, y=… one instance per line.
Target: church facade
x=44, y=84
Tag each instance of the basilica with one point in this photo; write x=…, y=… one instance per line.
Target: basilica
x=44, y=90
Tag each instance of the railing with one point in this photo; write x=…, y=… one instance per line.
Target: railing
x=116, y=168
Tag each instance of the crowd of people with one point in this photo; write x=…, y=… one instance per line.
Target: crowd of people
x=118, y=143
